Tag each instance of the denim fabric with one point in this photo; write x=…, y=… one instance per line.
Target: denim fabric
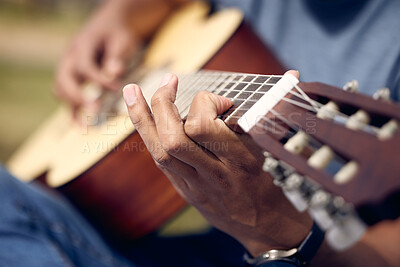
x=39, y=228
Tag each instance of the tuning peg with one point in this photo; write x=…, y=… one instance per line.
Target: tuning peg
x=270, y=163
x=328, y=111
x=388, y=130
x=346, y=173
x=295, y=189
x=345, y=232
x=358, y=120
x=382, y=94
x=291, y=183
x=351, y=86
x=297, y=142
x=319, y=209
x=277, y=169
x=321, y=157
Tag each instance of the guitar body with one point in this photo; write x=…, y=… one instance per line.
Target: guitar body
x=117, y=186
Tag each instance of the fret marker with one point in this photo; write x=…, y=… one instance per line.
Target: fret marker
x=267, y=102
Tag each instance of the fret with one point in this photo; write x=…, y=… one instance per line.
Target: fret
x=239, y=111
x=232, y=94
x=244, y=95
x=237, y=77
x=264, y=88
x=261, y=79
x=249, y=78
x=248, y=104
x=256, y=96
x=186, y=90
x=252, y=87
x=226, y=84
x=240, y=86
x=274, y=79
x=243, y=89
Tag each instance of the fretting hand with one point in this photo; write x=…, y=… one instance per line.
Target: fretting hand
x=214, y=169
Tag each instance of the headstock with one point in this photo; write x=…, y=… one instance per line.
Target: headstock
x=333, y=151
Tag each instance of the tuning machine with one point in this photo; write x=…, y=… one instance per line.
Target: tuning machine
x=335, y=216
x=320, y=210
x=293, y=185
x=277, y=169
x=332, y=213
x=351, y=86
x=382, y=94
x=345, y=232
x=298, y=190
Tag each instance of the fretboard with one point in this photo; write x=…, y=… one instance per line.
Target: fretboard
x=243, y=89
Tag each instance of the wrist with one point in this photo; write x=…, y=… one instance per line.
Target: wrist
x=281, y=232
x=300, y=255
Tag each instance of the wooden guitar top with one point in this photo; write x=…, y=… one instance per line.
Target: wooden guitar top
x=65, y=150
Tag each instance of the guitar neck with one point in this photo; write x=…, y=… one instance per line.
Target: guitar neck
x=243, y=89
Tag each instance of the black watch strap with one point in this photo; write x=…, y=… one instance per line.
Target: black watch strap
x=309, y=247
x=300, y=256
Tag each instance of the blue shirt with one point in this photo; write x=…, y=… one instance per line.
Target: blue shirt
x=332, y=41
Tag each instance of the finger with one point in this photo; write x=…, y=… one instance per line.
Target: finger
x=203, y=126
x=295, y=73
x=88, y=67
x=68, y=85
x=118, y=51
x=170, y=126
x=143, y=121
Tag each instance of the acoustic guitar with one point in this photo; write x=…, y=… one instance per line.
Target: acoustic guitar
x=319, y=138
x=318, y=141
x=104, y=168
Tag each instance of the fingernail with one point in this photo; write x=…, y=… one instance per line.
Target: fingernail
x=166, y=79
x=129, y=94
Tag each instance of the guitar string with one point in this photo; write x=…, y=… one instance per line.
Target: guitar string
x=239, y=92
x=212, y=81
x=312, y=141
x=336, y=114
x=312, y=106
x=240, y=78
x=185, y=99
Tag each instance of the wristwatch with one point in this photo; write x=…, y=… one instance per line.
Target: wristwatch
x=300, y=256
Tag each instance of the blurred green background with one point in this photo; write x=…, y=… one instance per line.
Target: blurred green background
x=33, y=35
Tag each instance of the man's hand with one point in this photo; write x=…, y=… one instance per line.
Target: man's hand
x=99, y=54
x=216, y=170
